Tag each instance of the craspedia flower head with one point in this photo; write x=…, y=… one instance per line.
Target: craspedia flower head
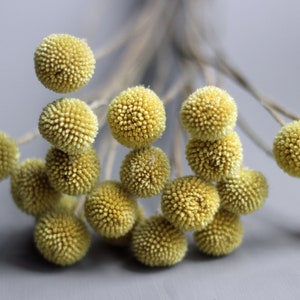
x=72, y=174
x=9, y=155
x=110, y=210
x=189, y=203
x=69, y=124
x=136, y=117
x=157, y=243
x=243, y=193
x=145, y=171
x=209, y=113
x=30, y=188
x=286, y=148
x=61, y=238
x=222, y=236
x=215, y=160
x=125, y=240
x=64, y=63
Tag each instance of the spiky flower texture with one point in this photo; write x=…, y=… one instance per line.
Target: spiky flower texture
x=157, y=243
x=209, y=113
x=64, y=63
x=69, y=124
x=189, y=203
x=61, y=238
x=145, y=171
x=286, y=148
x=136, y=117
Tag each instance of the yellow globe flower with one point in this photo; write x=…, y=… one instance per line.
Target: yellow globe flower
x=69, y=124
x=136, y=117
x=286, y=148
x=64, y=63
x=157, y=243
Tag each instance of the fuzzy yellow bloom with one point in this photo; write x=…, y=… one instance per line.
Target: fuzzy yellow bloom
x=30, y=188
x=9, y=155
x=157, y=243
x=222, y=236
x=136, y=117
x=215, y=160
x=64, y=63
x=286, y=148
x=145, y=171
x=61, y=238
x=243, y=193
x=110, y=210
x=209, y=113
x=69, y=124
x=189, y=203
x=72, y=174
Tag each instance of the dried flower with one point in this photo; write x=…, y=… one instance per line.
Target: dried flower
x=72, y=174
x=209, y=114
x=9, y=155
x=145, y=171
x=61, y=238
x=30, y=188
x=215, y=160
x=64, y=63
x=189, y=203
x=222, y=236
x=157, y=243
x=136, y=117
x=125, y=240
x=69, y=124
x=110, y=210
x=244, y=193
x=286, y=148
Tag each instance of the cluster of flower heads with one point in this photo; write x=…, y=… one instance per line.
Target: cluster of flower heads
x=208, y=203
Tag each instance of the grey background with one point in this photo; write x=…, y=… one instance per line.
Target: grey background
x=262, y=39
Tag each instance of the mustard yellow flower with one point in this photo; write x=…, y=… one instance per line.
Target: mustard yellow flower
x=61, y=238
x=209, y=113
x=145, y=171
x=9, y=155
x=222, y=236
x=125, y=240
x=136, y=117
x=215, y=160
x=64, y=63
x=157, y=243
x=243, y=193
x=69, y=124
x=286, y=148
x=110, y=210
x=189, y=203
x=72, y=174
x=30, y=188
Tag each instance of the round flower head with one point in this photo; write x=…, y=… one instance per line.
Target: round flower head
x=110, y=210
x=243, y=193
x=72, y=174
x=145, y=171
x=215, y=160
x=189, y=203
x=30, y=188
x=9, y=155
x=125, y=240
x=136, y=117
x=222, y=236
x=64, y=63
x=286, y=148
x=69, y=124
x=61, y=238
x=209, y=113
x=157, y=243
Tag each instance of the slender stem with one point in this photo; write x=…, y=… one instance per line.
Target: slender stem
x=28, y=137
x=111, y=159
x=177, y=150
x=80, y=205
